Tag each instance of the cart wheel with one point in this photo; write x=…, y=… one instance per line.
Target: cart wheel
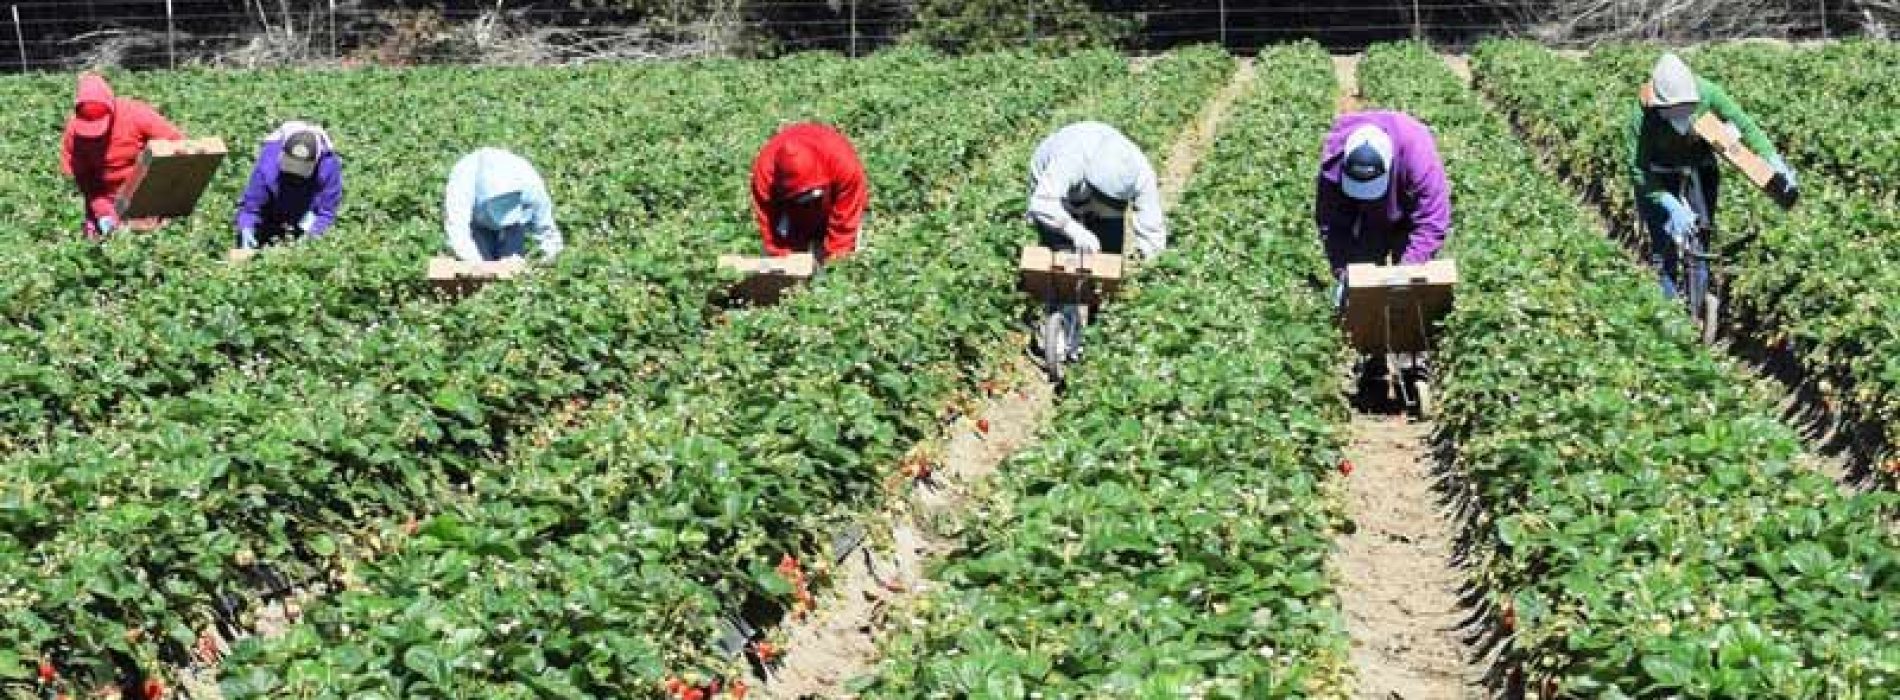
x=1422, y=393
x=1054, y=346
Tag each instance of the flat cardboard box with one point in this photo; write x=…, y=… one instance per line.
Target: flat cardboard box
x=238, y=255
x=1069, y=277
x=458, y=278
x=1726, y=142
x=170, y=178
x=1392, y=308
x=768, y=278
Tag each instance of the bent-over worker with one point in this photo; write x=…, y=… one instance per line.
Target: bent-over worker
x=1084, y=180
x=495, y=202
x=100, y=149
x=295, y=188
x=1382, y=194
x=809, y=193
x=1664, y=149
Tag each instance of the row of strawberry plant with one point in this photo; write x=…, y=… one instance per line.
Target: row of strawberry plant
x=668, y=502
x=171, y=339
x=1640, y=523
x=1169, y=537
x=286, y=472
x=1814, y=279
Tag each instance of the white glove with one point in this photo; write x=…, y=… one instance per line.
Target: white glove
x=1084, y=239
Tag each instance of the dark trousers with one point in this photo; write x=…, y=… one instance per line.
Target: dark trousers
x=1662, y=249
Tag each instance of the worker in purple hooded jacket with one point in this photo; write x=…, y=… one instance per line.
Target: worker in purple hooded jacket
x=295, y=187
x=1382, y=194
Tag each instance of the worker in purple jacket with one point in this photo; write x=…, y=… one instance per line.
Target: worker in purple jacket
x=1382, y=192
x=295, y=187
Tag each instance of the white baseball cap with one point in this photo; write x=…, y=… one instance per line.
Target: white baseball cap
x=1366, y=173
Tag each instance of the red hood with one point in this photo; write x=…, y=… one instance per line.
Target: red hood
x=796, y=169
x=92, y=88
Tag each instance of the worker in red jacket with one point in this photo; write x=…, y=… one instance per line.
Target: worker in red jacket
x=809, y=193
x=100, y=150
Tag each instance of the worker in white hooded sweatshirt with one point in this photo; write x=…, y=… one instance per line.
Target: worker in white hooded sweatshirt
x=1084, y=182
x=495, y=203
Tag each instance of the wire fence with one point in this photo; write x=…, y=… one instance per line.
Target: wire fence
x=163, y=33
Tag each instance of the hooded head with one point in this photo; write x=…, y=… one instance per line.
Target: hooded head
x=1366, y=173
x=92, y=106
x=1114, y=174
x=797, y=174
x=1673, y=92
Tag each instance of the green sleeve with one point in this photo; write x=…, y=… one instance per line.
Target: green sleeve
x=1645, y=187
x=1752, y=136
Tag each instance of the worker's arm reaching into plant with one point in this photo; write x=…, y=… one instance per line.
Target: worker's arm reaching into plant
x=1381, y=193
x=494, y=203
x=809, y=193
x=1085, y=180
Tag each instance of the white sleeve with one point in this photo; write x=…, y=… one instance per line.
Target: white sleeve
x=458, y=208
x=1046, y=200
x=1151, y=225
x=545, y=230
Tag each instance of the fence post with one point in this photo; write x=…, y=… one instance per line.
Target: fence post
x=1032, y=22
x=333, y=44
x=171, y=37
x=1824, y=19
x=1418, y=22
x=1223, y=24
x=19, y=37
x=854, y=28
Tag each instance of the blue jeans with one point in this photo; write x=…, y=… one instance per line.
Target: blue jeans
x=1663, y=255
x=498, y=244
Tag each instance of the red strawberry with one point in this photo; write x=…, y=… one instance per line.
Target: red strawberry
x=983, y=426
x=47, y=672
x=1345, y=467
x=738, y=690
x=154, y=688
x=1510, y=616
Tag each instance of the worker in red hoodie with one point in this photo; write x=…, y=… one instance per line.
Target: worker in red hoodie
x=100, y=150
x=809, y=193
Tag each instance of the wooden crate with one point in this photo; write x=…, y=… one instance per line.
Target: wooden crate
x=458, y=278
x=1392, y=308
x=1725, y=141
x=1068, y=277
x=170, y=178
x=767, y=279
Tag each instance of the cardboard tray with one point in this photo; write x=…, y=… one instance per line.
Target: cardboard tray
x=767, y=279
x=1393, y=308
x=1726, y=142
x=1070, y=278
x=455, y=277
x=170, y=178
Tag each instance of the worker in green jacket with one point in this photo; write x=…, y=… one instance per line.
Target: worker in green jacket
x=1674, y=170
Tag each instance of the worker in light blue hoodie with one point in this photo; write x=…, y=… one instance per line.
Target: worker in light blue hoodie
x=495, y=204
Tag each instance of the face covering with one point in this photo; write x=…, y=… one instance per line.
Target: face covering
x=1680, y=117
x=500, y=211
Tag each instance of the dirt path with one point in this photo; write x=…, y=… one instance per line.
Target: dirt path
x=839, y=642
x=1199, y=137
x=1346, y=69
x=1460, y=66
x=1399, y=590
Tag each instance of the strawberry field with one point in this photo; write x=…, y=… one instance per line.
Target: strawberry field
x=569, y=484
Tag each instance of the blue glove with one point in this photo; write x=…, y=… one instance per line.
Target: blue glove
x=105, y=224
x=1339, y=295
x=308, y=221
x=1681, y=221
x=247, y=238
x=1781, y=166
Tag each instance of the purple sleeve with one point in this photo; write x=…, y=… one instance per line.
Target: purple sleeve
x=329, y=196
x=1429, y=189
x=250, y=209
